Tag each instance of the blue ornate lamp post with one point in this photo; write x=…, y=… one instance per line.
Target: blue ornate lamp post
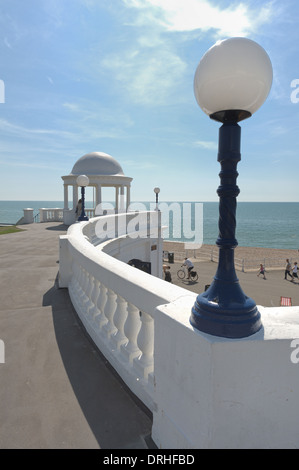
x=83, y=181
x=232, y=80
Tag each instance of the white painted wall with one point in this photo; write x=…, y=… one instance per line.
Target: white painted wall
x=220, y=393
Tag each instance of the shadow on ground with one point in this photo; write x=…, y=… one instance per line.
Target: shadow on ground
x=116, y=417
x=60, y=227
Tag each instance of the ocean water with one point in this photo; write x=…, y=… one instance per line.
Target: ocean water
x=260, y=224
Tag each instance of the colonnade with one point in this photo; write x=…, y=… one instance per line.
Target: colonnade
x=122, y=195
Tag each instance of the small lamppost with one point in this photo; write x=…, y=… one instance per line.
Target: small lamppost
x=156, y=191
x=232, y=80
x=83, y=181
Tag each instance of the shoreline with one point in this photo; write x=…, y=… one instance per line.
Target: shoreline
x=241, y=252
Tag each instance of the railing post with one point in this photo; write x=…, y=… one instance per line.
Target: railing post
x=131, y=330
x=87, y=298
x=94, y=296
x=119, y=319
x=100, y=320
x=145, y=340
x=109, y=310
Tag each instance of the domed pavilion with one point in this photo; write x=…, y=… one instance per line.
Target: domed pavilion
x=102, y=171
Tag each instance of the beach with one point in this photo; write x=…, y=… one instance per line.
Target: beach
x=253, y=255
x=266, y=292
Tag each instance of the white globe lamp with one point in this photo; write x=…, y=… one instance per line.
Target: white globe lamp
x=232, y=81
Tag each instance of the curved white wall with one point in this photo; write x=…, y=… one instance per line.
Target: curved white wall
x=204, y=391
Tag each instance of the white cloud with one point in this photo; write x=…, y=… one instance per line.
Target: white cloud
x=148, y=75
x=151, y=68
x=190, y=15
x=208, y=145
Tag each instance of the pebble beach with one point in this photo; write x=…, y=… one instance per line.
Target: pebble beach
x=241, y=252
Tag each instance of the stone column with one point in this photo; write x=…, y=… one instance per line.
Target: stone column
x=122, y=199
x=66, y=196
x=128, y=196
x=116, y=198
x=75, y=195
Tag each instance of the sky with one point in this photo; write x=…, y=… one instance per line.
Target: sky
x=116, y=76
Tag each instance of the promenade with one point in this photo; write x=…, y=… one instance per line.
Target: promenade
x=56, y=390
x=265, y=292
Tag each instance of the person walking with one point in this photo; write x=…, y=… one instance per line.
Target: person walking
x=295, y=270
x=261, y=271
x=288, y=269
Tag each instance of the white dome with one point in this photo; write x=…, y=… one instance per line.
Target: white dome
x=97, y=163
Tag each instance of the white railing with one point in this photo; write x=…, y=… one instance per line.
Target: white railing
x=51, y=215
x=56, y=214
x=116, y=302
x=193, y=383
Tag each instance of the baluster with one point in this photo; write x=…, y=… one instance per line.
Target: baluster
x=79, y=284
x=88, y=286
x=83, y=280
x=145, y=340
x=88, y=304
x=131, y=330
x=109, y=328
x=73, y=286
x=100, y=320
x=119, y=319
x=93, y=311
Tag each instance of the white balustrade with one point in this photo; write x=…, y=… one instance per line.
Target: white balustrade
x=133, y=317
x=50, y=215
x=109, y=296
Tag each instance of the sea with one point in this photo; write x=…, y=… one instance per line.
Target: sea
x=259, y=224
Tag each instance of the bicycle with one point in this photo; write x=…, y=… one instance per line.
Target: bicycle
x=182, y=274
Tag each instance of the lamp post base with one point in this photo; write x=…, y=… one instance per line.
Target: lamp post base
x=224, y=310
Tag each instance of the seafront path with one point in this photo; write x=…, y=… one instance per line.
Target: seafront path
x=265, y=292
x=56, y=390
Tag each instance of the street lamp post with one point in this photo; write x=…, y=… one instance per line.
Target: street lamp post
x=156, y=191
x=83, y=181
x=232, y=80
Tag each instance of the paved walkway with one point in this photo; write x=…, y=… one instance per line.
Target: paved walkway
x=266, y=292
x=56, y=389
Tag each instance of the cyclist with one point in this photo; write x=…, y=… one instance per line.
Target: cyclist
x=189, y=265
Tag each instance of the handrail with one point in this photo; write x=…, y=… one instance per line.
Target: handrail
x=117, y=303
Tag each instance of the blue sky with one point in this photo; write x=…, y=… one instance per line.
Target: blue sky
x=117, y=76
